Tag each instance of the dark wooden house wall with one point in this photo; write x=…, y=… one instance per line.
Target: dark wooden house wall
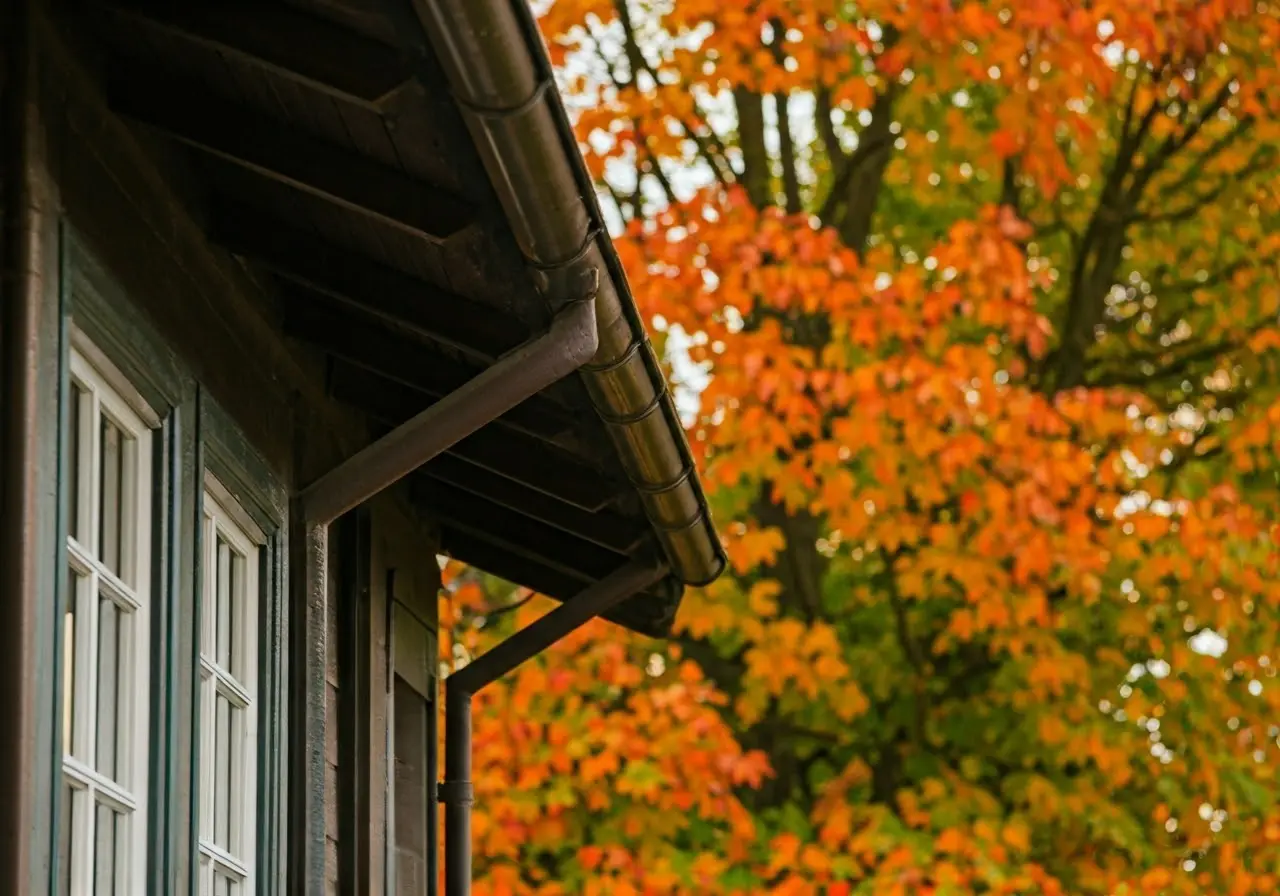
x=136, y=216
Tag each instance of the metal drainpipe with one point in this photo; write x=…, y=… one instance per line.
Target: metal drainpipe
x=456, y=792
x=21, y=291
x=569, y=343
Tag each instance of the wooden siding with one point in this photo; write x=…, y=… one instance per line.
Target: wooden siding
x=134, y=212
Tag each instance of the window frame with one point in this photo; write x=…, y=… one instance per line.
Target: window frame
x=258, y=501
x=191, y=435
x=127, y=789
x=224, y=518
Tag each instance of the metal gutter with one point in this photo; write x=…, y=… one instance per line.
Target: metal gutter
x=456, y=791
x=502, y=80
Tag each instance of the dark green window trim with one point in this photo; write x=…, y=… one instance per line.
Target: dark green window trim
x=92, y=304
x=53, y=694
x=262, y=495
x=194, y=435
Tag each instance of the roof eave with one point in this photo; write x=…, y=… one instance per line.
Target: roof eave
x=502, y=80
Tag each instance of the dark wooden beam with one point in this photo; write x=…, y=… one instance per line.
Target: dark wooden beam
x=191, y=113
x=404, y=361
x=515, y=533
x=397, y=402
x=285, y=41
x=645, y=613
x=606, y=529
x=483, y=554
x=354, y=279
x=503, y=450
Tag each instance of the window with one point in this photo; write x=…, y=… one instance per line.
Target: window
x=105, y=673
x=228, y=708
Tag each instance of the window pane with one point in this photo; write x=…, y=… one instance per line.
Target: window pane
x=111, y=504
x=224, y=605
x=235, y=603
x=106, y=836
x=224, y=886
x=69, y=661
x=110, y=621
x=222, y=773
x=73, y=461
x=66, y=821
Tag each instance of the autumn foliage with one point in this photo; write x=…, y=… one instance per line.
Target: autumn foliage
x=980, y=303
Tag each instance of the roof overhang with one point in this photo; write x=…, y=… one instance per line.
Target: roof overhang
x=404, y=175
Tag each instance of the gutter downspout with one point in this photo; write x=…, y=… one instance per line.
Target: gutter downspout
x=22, y=286
x=456, y=790
x=569, y=343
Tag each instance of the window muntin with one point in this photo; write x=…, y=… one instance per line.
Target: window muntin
x=105, y=674
x=228, y=696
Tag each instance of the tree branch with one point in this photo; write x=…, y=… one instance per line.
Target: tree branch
x=755, y=156
x=1174, y=143
x=915, y=657
x=707, y=149
x=787, y=154
x=826, y=128
x=782, y=109
x=1262, y=159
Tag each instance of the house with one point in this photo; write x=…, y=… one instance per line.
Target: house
x=296, y=296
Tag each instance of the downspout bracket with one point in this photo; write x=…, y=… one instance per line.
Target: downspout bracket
x=457, y=793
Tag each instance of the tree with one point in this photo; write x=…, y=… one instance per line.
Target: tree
x=984, y=298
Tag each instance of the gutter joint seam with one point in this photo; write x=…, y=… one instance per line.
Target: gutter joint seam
x=500, y=112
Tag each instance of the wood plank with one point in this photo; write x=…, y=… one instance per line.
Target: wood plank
x=605, y=529
x=478, y=552
x=353, y=279
x=406, y=362
x=524, y=460
x=515, y=534
x=645, y=613
x=189, y=112
x=393, y=401
x=285, y=41
x=503, y=447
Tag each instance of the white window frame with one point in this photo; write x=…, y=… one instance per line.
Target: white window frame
x=224, y=517
x=105, y=391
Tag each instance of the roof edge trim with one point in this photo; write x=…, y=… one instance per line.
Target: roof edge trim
x=501, y=77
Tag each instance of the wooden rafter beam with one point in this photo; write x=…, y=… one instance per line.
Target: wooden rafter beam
x=477, y=551
x=516, y=533
x=511, y=454
x=350, y=278
x=403, y=361
x=410, y=383
x=191, y=113
x=285, y=41
x=553, y=580
x=606, y=529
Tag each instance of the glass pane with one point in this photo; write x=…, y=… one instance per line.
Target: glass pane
x=66, y=821
x=222, y=774
x=74, y=443
x=106, y=837
x=69, y=660
x=224, y=605
x=224, y=886
x=110, y=620
x=111, y=506
x=235, y=604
